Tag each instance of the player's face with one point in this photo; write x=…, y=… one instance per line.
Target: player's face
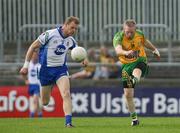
x=129, y=31
x=70, y=29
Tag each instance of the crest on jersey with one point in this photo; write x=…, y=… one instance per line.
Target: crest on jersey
x=139, y=43
x=132, y=45
x=55, y=41
x=46, y=36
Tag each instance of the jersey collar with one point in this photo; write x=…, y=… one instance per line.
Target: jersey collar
x=60, y=32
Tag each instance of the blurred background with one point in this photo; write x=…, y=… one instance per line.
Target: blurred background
x=22, y=21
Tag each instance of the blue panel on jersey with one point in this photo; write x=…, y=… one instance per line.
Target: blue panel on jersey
x=43, y=55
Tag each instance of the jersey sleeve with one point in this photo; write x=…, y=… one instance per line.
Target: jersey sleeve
x=44, y=37
x=74, y=43
x=118, y=39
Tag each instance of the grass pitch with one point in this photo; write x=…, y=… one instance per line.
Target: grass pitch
x=90, y=125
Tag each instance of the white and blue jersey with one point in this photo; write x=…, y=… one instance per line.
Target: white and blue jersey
x=53, y=54
x=34, y=84
x=55, y=47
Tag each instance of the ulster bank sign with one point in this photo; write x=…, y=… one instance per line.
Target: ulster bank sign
x=111, y=102
x=14, y=102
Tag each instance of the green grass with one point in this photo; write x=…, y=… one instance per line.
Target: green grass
x=90, y=125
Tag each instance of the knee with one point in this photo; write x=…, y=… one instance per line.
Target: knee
x=66, y=94
x=35, y=102
x=128, y=95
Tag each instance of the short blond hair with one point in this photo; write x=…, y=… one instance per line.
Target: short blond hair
x=130, y=23
x=72, y=19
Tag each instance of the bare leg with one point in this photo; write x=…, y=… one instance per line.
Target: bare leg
x=45, y=94
x=129, y=94
x=31, y=106
x=64, y=88
x=35, y=102
x=39, y=109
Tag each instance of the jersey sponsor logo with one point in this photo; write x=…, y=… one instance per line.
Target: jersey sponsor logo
x=132, y=45
x=60, y=50
x=33, y=73
x=135, y=55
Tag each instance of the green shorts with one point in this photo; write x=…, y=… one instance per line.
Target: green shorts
x=127, y=69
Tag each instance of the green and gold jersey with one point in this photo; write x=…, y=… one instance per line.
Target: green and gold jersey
x=136, y=44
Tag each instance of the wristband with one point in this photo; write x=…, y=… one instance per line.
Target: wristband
x=26, y=64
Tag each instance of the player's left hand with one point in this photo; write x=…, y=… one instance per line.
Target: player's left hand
x=156, y=53
x=85, y=62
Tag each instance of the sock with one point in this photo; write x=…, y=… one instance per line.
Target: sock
x=31, y=114
x=135, y=80
x=40, y=114
x=68, y=119
x=134, y=116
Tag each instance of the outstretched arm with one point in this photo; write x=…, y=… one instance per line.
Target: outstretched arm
x=150, y=46
x=119, y=51
x=35, y=45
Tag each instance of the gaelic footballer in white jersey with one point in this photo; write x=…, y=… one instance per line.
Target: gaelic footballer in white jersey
x=33, y=71
x=55, y=47
x=53, y=55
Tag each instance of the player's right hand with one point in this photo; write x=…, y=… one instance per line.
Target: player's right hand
x=23, y=71
x=156, y=53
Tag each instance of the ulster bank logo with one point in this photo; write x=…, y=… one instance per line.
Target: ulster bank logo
x=97, y=104
x=80, y=102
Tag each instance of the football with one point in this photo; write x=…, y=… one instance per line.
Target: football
x=78, y=54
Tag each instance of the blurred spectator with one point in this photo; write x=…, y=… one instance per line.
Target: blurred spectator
x=31, y=79
x=104, y=71
x=100, y=71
